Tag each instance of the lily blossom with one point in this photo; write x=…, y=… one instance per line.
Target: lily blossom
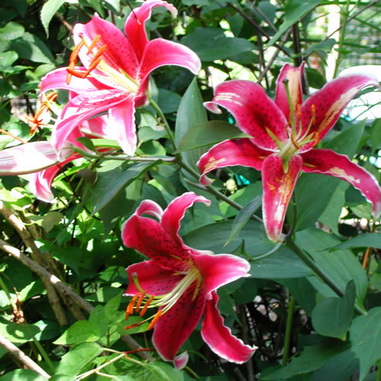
x=38, y=159
x=180, y=281
x=283, y=134
x=114, y=76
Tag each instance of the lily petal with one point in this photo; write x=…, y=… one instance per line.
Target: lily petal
x=219, y=337
x=152, y=279
x=278, y=187
x=293, y=76
x=134, y=27
x=122, y=122
x=175, y=326
x=326, y=105
x=256, y=114
x=230, y=153
x=175, y=212
x=328, y=162
x=181, y=360
x=160, y=52
x=150, y=207
x=27, y=158
x=147, y=236
x=218, y=270
x=119, y=53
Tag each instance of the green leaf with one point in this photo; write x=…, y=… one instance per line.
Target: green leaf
x=375, y=135
x=118, y=179
x=50, y=220
x=30, y=47
x=365, y=334
x=363, y=240
x=310, y=359
x=18, y=333
x=7, y=59
x=47, y=12
x=191, y=113
x=22, y=375
x=208, y=133
x=294, y=10
x=80, y=332
x=9, y=33
x=332, y=317
x=163, y=372
x=244, y=216
x=78, y=357
x=212, y=44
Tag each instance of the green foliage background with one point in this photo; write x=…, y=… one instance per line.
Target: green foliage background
x=312, y=306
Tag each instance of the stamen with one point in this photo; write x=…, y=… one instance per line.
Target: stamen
x=144, y=309
x=155, y=319
x=139, y=303
x=44, y=107
x=290, y=105
x=130, y=307
x=93, y=44
x=73, y=60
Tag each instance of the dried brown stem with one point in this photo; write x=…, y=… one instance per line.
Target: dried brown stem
x=21, y=358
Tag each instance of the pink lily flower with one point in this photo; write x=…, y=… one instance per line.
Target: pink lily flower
x=114, y=76
x=38, y=159
x=282, y=136
x=180, y=281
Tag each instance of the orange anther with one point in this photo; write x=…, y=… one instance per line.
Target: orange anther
x=155, y=319
x=130, y=307
x=139, y=302
x=93, y=44
x=144, y=309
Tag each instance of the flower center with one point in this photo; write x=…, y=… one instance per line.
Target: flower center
x=297, y=138
x=104, y=71
x=142, y=301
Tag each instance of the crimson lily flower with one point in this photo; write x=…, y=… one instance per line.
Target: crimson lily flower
x=114, y=76
x=282, y=135
x=180, y=281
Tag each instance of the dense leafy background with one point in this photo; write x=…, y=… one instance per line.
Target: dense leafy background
x=312, y=306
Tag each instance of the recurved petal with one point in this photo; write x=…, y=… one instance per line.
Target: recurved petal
x=328, y=162
x=278, y=187
x=119, y=53
x=160, y=52
x=147, y=236
x=175, y=212
x=152, y=278
x=256, y=114
x=293, y=77
x=175, y=326
x=149, y=207
x=40, y=182
x=219, y=337
x=230, y=153
x=57, y=79
x=135, y=24
x=326, y=105
x=122, y=123
x=27, y=158
x=82, y=107
x=218, y=270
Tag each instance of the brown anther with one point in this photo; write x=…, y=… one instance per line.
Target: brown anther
x=155, y=319
x=144, y=309
x=313, y=111
x=294, y=142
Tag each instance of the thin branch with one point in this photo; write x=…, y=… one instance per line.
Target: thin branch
x=21, y=358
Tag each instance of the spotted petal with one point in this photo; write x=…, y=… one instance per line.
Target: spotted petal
x=278, y=187
x=175, y=212
x=326, y=105
x=175, y=326
x=230, y=153
x=218, y=270
x=256, y=114
x=327, y=162
x=219, y=337
x=152, y=278
x=293, y=76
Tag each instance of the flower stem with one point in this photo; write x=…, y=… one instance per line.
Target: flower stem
x=287, y=335
x=44, y=355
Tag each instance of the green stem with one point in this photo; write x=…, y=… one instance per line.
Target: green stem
x=314, y=267
x=44, y=355
x=160, y=113
x=287, y=335
x=378, y=375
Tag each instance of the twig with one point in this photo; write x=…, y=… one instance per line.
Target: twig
x=20, y=357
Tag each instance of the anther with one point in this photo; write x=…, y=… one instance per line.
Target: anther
x=130, y=307
x=155, y=319
x=93, y=44
x=144, y=309
x=139, y=303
